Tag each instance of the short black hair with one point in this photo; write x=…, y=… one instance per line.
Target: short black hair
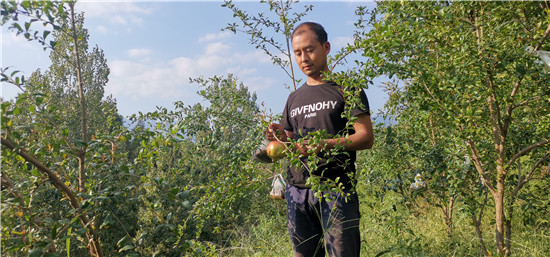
x=319, y=30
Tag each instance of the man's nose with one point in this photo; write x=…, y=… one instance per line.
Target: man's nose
x=305, y=57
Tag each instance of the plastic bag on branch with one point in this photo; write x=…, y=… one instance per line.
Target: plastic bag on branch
x=278, y=187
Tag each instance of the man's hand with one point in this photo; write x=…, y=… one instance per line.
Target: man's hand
x=307, y=149
x=363, y=138
x=276, y=131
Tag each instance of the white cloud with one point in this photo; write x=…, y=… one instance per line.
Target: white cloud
x=101, y=29
x=241, y=71
x=215, y=36
x=257, y=56
x=138, y=52
x=217, y=48
x=10, y=39
x=169, y=79
x=142, y=79
x=116, y=13
x=340, y=42
x=258, y=84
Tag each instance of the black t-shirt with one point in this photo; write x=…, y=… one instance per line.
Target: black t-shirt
x=315, y=108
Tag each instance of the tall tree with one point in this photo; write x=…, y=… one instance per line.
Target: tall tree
x=198, y=157
x=474, y=67
x=47, y=133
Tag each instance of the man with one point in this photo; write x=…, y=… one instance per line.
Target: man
x=317, y=225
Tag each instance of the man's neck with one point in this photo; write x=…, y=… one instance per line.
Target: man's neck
x=317, y=80
x=311, y=82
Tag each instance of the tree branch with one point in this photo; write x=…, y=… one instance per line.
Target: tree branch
x=54, y=179
x=342, y=56
x=285, y=23
x=529, y=175
x=479, y=168
x=544, y=36
x=8, y=183
x=525, y=150
x=59, y=184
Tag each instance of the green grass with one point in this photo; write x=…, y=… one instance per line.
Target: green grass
x=267, y=238
x=394, y=232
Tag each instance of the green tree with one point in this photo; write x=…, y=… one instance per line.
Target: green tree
x=57, y=132
x=472, y=66
x=199, y=157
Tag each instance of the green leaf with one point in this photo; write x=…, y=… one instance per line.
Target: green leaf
x=122, y=241
x=39, y=100
x=45, y=34
x=16, y=111
x=65, y=132
x=18, y=27
x=26, y=4
x=126, y=248
x=109, y=220
x=81, y=232
x=54, y=231
x=36, y=252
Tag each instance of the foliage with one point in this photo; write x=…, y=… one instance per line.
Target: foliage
x=473, y=79
x=181, y=182
x=259, y=26
x=62, y=196
x=199, y=157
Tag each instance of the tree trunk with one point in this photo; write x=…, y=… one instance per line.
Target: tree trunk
x=477, y=225
x=499, y=212
x=508, y=224
x=80, y=82
x=448, y=214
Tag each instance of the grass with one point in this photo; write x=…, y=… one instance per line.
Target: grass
x=389, y=231
x=267, y=238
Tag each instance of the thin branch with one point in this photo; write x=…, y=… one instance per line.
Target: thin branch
x=525, y=150
x=341, y=57
x=10, y=80
x=544, y=36
x=125, y=230
x=494, y=107
x=512, y=107
x=430, y=92
x=516, y=86
x=288, y=44
x=59, y=184
x=8, y=183
x=479, y=167
x=529, y=175
x=56, y=181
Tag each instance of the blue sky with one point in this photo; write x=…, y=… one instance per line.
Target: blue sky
x=153, y=48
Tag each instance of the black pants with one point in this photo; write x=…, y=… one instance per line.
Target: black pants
x=316, y=226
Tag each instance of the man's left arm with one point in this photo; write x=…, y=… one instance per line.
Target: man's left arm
x=363, y=138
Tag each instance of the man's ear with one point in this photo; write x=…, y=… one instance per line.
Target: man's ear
x=326, y=45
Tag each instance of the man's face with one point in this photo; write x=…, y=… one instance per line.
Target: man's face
x=310, y=54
